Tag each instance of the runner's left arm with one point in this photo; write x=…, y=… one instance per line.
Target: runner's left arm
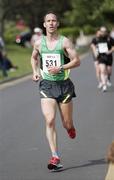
x=112, y=46
x=72, y=54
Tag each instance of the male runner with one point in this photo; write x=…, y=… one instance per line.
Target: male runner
x=105, y=47
x=56, y=89
x=95, y=57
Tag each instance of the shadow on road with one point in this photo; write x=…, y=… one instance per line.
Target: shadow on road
x=89, y=163
x=111, y=89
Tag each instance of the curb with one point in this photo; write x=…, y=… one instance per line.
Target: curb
x=14, y=81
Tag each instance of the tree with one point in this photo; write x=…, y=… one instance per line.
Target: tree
x=107, y=10
x=31, y=11
x=94, y=13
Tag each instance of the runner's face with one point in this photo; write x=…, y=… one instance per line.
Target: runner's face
x=51, y=23
x=103, y=33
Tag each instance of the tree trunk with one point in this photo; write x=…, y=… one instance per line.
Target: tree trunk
x=1, y=18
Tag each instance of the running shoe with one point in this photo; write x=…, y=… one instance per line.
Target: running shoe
x=100, y=85
x=72, y=133
x=54, y=164
x=109, y=84
x=104, y=88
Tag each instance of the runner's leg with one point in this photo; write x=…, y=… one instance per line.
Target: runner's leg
x=49, y=106
x=66, y=110
x=104, y=75
x=96, y=64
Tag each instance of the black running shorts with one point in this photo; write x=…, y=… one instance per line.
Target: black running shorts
x=61, y=91
x=105, y=59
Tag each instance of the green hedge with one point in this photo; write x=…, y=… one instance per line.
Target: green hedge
x=72, y=33
x=10, y=35
x=88, y=29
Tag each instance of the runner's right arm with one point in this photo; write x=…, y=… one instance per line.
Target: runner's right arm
x=93, y=47
x=35, y=61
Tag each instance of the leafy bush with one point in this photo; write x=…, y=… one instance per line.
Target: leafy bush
x=72, y=33
x=88, y=29
x=10, y=32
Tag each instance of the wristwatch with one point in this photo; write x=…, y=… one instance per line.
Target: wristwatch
x=61, y=68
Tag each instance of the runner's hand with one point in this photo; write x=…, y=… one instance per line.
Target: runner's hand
x=108, y=52
x=36, y=77
x=53, y=69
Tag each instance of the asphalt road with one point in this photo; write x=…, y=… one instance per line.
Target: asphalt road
x=24, y=150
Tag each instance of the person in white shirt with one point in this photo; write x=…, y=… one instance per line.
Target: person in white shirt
x=36, y=36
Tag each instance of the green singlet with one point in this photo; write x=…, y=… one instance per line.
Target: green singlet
x=53, y=57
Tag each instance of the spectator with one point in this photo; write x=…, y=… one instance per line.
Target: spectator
x=2, y=47
x=8, y=65
x=110, y=160
x=2, y=67
x=36, y=36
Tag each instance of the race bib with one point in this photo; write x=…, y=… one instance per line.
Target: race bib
x=103, y=47
x=50, y=60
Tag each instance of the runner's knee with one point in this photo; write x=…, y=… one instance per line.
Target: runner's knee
x=50, y=122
